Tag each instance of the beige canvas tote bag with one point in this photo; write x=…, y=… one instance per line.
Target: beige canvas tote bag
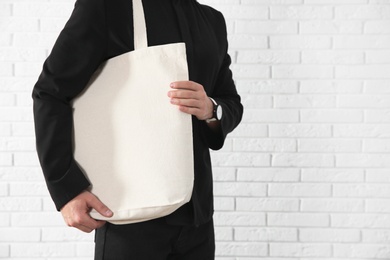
x=132, y=143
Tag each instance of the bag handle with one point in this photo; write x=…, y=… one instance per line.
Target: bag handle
x=140, y=36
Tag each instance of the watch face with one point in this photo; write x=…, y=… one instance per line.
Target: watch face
x=219, y=112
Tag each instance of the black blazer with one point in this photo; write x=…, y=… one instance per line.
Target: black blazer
x=101, y=29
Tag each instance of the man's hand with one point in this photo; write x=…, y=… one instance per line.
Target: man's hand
x=191, y=99
x=76, y=212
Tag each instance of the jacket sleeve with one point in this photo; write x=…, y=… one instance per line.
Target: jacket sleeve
x=225, y=94
x=78, y=51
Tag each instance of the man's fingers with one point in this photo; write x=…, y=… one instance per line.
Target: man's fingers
x=186, y=85
x=95, y=203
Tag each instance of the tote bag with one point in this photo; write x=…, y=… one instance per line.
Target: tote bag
x=134, y=146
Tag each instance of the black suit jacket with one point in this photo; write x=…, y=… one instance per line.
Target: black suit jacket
x=101, y=29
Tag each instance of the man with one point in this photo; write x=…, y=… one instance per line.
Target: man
x=101, y=29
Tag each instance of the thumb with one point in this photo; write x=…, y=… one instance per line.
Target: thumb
x=96, y=204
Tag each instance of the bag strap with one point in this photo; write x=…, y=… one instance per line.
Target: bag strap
x=140, y=36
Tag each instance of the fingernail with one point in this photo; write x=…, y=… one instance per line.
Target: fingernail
x=172, y=85
x=109, y=213
x=169, y=94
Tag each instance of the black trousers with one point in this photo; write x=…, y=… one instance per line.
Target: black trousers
x=155, y=240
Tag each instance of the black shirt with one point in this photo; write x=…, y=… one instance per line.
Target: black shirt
x=101, y=29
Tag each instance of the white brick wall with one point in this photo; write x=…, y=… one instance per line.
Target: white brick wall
x=305, y=176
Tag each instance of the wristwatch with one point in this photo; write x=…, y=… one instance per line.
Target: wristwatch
x=217, y=112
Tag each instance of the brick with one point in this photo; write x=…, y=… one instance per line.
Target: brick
x=304, y=101
x=65, y=234
x=5, y=129
x=332, y=175
x=271, y=2
x=298, y=219
x=247, y=41
x=363, y=71
x=15, y=114
x=224, y=173
x=268, y=56
x=329, y=235
x=5, y=9
x=12, y=234
x=243, y=12
x=30, y=189
x=7, y=100
x=23, y=129
x=5, y=159
x=240, y=189
x=378, y=57
x=20, y=204
x=332, y=205
x=42, y=249
x=6, y=69
x=271, y=115
x=273, y=86
x=26, y=159
x=376, y=236
x=264, y=145
x=257, y=101
x=17, y=144
x=332, y=57
x=359, y=250
x=302, y=160
x=378, y=205
x=251, y=71
x=34, y=219
x=239, y=219
x=376, y=145
x=223, y=233
x=362, y=12
x=4, y=219
x=355, y=220
x=329, y=145
x=240, y=159
x=301, y=12
x=331, y=86
x=377, y=27
x=299, y=130
x=331, y=27
x=300, y=250
x=363, y=101
x=268, y=174
x=331, y=116
x=362, y=130
x=26, y=174
x=267, y=204
x=303, y=42
x=13, y=84
x=241, y=249
x=14, y=24
x=377, y=175
x=353, y=42
x=377, y=116
x=224, y=204
x=266, y=27
x=85, y=249
x=299, y=190
x=25, y=69
x=250, y=130
x=363, y=160
x=302, y=71
x=51, y=25
x=4, y=251
x=42, y=9
x=35, y=40
x=266, y=234
x=362, y=190
x=5, y=39
x=3, y=189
